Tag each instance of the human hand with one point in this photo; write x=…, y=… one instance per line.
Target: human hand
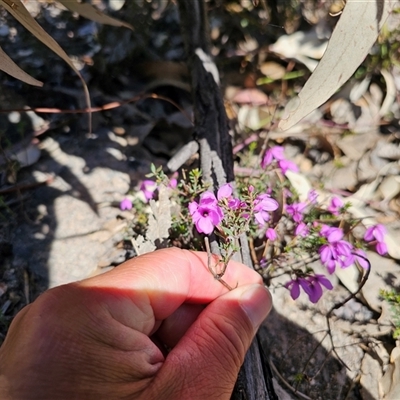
x=107, y=337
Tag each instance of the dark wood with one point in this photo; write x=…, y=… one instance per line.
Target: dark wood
x=211, y=124
x=216, y=161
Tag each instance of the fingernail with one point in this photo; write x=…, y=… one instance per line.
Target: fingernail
x=256, y=302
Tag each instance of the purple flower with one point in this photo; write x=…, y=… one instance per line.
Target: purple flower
x=271, y=234
x=296, y=211
x=375, y=232
x=335, y=205
x=148, y=188
x=225, y=191
x=125, y=204
x=294, y=287
x=206, y=214
x=302, y=229
x=286, y=165
x=314, y=289
x=274, y=153
x=311, y=286
x=263, y=205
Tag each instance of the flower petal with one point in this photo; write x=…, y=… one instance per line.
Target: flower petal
x=325, y=253
x=204, y=225
x=316, y=292
x=125, y=204
x=193, y=206
x=381, y=248
x=224, y=191
x=379, y=232
x=369, y=234
x=323, y=280
x=334, y=234
x=271, y=234
x=286, y=165
x=207, y=198
x=278, y=152
x=294, y=290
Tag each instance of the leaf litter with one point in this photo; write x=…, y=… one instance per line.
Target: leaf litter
x=348, y=147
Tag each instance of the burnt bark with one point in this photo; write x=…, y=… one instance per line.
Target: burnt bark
x=216, y=161
x=211, y=124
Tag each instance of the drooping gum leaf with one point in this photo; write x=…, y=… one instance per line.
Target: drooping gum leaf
x=7, y=65
x=21, y=14
x=353, y=37
x=88, y=11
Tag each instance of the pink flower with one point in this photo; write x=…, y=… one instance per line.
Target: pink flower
x=274, y=153
x=263, y=205
x=206, y=214
x=336, y=252
x=296, y=210
x=332, y=234
x=225, y=191
x=125, y=204
x=375, y=232
x=235, y=204
x=302, y=229
x=335, y=205
x=381, y=248
x=173, y=183
x=286, y=165
x=271, y=234
x=148, y=188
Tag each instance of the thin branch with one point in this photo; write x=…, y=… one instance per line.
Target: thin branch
x=342, y=303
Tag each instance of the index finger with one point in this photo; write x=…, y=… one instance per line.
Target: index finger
x=171, y=277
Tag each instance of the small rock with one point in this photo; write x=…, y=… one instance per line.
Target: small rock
x=371, y=372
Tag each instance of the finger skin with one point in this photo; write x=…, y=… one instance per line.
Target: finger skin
x=182, y=273
x=90, y=339
x=206, y=361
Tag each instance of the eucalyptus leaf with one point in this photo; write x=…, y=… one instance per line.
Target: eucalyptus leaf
x=354, y=35
x=7, y=65
x=88, y=11
x=22, y=15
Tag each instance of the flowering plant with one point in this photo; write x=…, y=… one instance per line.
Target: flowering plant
x=286, y=234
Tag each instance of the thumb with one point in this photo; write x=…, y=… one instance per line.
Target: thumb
x=206, y=361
